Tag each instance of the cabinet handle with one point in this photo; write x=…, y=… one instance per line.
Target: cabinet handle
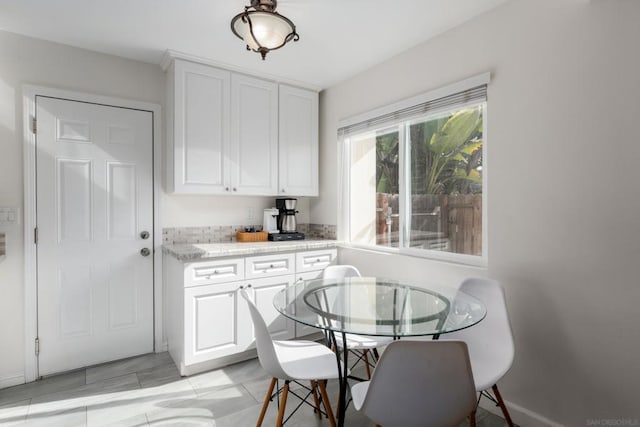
x=318, y=260
x=241, y=287
x=270, y=265
x=226, y=188
x=215, y=271
x=282, y=190
x=235, y=189
x=249, y=285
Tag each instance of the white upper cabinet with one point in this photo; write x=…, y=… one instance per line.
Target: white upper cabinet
x=230, y=133
x=298, y=127
x=254, y=135
x=201, y=129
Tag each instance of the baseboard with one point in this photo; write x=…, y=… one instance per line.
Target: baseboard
x=521, y=416
x=10, y=381
x=217, y=363
x=161, y=348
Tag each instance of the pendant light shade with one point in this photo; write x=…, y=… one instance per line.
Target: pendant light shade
x=263, y=29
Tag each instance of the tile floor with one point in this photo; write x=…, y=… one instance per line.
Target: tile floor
x=148, y=390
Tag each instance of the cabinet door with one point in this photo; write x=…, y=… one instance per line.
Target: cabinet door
x=304, y=330
x=201, y=128
x=254, y=136
x=280, y=327
x=298, y=142
x=217, y=322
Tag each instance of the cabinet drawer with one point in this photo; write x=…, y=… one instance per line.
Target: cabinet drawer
x=315, y=260
x=269, y=265
x=209, y=272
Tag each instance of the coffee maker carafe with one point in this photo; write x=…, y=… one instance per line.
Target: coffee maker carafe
x=287, y=215
x=287, y=223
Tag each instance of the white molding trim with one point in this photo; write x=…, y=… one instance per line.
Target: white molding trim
x=11, y=380
x=29, y=93
x=170, y=55
x=520, y=415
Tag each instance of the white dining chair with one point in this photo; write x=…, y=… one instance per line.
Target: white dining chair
x=360, y=345
x=292, y=361
x=419, y=384
x=490, y=342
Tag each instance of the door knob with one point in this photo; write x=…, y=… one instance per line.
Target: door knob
x=144, y=235
x=145, y=252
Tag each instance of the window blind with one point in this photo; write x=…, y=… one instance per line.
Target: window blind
x=473, y=95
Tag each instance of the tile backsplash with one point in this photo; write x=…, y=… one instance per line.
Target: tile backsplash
x=227, y=233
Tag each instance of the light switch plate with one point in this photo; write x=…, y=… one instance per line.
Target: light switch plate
x=9, y=216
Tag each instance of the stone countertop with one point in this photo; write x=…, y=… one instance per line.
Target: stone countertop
x=199, y=251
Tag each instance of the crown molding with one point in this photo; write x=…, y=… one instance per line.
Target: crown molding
x=170, y=55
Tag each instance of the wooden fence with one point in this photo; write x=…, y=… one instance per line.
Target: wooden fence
x=452, y=223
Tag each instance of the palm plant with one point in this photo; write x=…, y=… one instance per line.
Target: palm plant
x=446, y=153
x=387, y=163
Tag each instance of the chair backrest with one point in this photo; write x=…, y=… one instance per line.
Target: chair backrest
x=264, y=343
x=490, y=341
x=421, y=383
x=340, y=272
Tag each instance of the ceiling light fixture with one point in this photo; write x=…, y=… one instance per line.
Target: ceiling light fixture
x=263, y=29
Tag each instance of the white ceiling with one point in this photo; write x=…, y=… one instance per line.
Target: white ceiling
x=338, y=38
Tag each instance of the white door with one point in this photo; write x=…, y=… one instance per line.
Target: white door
x=254, y=136
x=94, y=199
x=201, y=133
x=298, y=133
x=217, y=322
x=264, y=290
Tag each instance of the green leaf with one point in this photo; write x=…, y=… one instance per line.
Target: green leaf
x=456, y=131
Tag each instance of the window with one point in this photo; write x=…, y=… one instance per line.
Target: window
x=415, y=177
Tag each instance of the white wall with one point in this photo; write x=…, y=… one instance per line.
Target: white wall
x=30, y=61
x=194, y=211
x=563, y=198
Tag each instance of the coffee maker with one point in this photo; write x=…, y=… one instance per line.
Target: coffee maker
x=287, y=222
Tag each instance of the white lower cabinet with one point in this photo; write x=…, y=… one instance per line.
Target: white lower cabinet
x=217, y=322
x=208, y=322
x=263, y=291
x=303, y=330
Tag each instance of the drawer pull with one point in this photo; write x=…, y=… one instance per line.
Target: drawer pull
x=270, y=265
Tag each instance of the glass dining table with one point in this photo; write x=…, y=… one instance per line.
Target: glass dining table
x=378, y=307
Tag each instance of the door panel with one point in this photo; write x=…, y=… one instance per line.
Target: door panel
x=216, y=322
x=201, y=134
x=298, y=133
x=94, y=197
x=264, y=290
x=254, y=135
x=121, y=201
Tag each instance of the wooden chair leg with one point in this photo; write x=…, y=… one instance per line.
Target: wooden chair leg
x=505, y=412
x=283, y=404
x=472, y=418
x=365, y=353
x=267, y=399
x=327, y=403
x=314, y=391
x=375, y=354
